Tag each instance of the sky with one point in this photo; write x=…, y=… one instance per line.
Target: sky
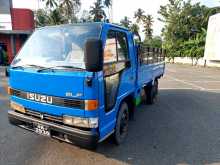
x=122, y=8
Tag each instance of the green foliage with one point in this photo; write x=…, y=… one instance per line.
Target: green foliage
x=146, y=21
x=155, y=42
x=139, y=14
x=70, y=8
x=194, y=48
x=125, y=22
x=42, y=18
x=57, y=12
x=107, y=3
x=65, y=11
x=50, y=17
x=185, y=23
x=51, y=3
x=97, y=11
x=135, y=28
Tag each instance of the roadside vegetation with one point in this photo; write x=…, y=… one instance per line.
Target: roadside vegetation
x=185, y=28
x=183, y=35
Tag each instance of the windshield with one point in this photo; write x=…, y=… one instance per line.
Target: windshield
x=57, y=46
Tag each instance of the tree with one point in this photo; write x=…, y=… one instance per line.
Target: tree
x=51, y=17
x=41, y=18
x=135, y=28
x=138, y=15
x=148, y=23
x=155, y=42
x=184, y=22
x=107, y=3
x=51, y=3
x=97, y=11
x=70, y=8
x=55, y=17
x=195, y=47
x=125, y=22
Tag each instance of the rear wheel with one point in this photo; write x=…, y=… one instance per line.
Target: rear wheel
x=121, y=129
x=152, y=92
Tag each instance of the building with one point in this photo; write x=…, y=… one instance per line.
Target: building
x=212, y=52
x=15, y=27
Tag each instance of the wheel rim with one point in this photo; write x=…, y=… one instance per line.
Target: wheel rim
x=124, y=124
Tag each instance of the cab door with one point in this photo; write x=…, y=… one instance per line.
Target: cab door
x=118, y=75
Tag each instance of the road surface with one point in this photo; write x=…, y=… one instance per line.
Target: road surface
x=182, y=128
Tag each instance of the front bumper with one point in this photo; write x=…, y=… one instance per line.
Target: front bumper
x=61, y=132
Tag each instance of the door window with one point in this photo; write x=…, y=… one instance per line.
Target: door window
x=110, y=51
x=122, y=46
x=115, y=56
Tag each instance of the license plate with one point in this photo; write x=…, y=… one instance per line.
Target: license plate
x=42, y=130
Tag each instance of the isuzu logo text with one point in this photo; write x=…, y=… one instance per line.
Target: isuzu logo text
x=40, y=98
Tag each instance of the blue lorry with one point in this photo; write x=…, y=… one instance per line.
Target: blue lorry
x=80, y=83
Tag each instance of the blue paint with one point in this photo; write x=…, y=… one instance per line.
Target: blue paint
x=59, y=83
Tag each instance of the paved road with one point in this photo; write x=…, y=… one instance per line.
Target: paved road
x=182, y=128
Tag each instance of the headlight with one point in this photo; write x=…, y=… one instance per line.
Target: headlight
x=81, y=122
x=17, y=107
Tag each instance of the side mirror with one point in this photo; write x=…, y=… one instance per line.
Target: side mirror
x=94, y=55
x=7, y=72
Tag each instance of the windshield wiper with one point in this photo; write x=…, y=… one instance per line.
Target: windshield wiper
x=25, y=66
x=60, y=66
x=17, y=67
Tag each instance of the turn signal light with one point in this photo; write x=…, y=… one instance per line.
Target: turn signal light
x=91, y=105
x=9, y=90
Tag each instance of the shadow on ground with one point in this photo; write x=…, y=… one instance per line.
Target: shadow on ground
x=181, y=128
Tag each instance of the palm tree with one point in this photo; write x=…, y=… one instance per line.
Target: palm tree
x=138, y=15
x=50, y=3
x=55, y=17
x=97, y=11
x=42, y=18
x=148, y=23
x=108, y=3
x=125, y=22
x=135, y=28
x=70, y=7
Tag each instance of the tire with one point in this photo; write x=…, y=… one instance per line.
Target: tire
x=121, y=128
x=151, y=93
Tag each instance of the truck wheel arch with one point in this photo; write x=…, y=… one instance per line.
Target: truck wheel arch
x=129, y=99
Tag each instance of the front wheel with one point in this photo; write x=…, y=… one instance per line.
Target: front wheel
x=121, y=129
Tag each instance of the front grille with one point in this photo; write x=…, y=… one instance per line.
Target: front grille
x=47, y=117
x=64, y=102
x=50, y=118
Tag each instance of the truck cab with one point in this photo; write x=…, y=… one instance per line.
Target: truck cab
x=79, y=83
